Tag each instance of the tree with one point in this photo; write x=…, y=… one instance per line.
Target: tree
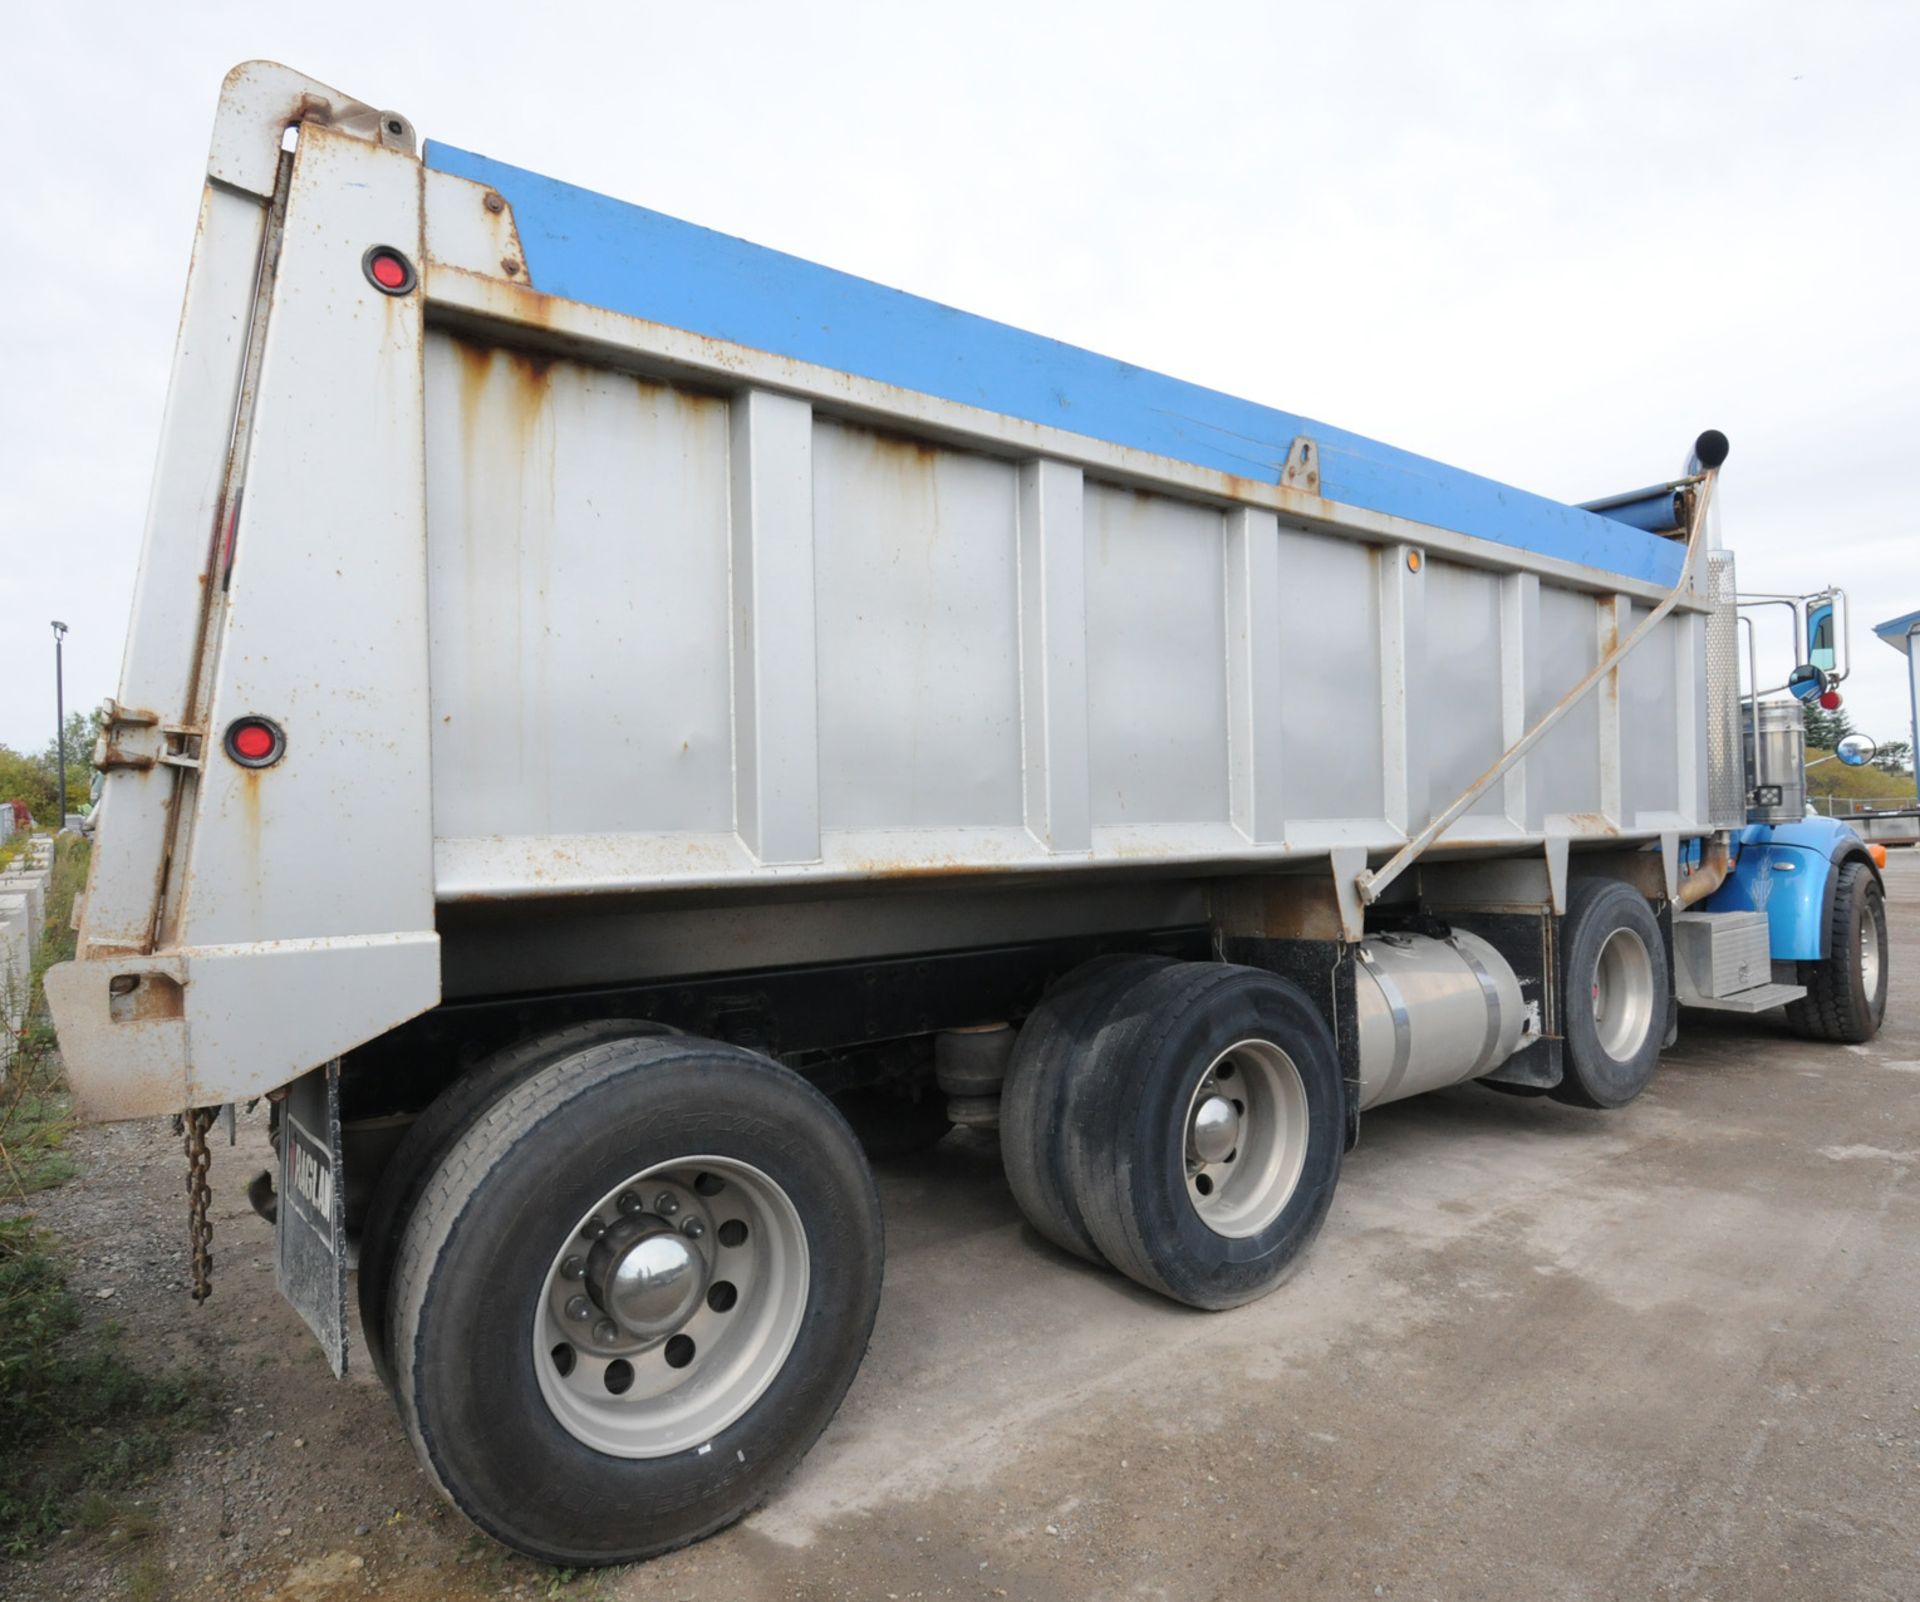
x=1895, y=757
x=83, y=729
x=32, y=779
x=28, y=779
x=1825, y=730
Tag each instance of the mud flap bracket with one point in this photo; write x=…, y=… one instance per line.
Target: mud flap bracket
x=310, y=1256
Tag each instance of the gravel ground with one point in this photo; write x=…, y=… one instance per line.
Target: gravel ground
x=1670, y=1351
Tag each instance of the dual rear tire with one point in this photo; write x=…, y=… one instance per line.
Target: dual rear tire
x=1615, y=995
x=1181, y=1122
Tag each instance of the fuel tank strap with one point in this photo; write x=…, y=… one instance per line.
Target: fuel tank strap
x=1490, y=993
x=1402, y=1025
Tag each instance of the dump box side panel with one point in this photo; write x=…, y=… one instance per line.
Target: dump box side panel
x=1002, y=663
x=578, y=574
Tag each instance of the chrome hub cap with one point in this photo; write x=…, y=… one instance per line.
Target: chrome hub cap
x=1622, y=994
x=1216, y=1129
x=646, y=1275
x=670, y=1307
x=1246, y=1138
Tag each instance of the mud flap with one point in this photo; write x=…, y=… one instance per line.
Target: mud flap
x=310, y=1264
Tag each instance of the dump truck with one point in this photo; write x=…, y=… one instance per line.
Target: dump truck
x=620, y=725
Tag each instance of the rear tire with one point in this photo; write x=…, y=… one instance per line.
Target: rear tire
x=1033, y=1100
x=426, y=1141
x=1205, y=1133
x=1846, y=995
x=1614, y=994
x=580, y=1477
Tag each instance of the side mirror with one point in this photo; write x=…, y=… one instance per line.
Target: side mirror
x=1857, y=750
x=1806, y=682
x=1820, y=648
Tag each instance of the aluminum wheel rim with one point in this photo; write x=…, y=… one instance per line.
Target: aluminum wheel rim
x=1622, y=994
x=673, y=1388
x=1243, y=1167
x=1870, y=952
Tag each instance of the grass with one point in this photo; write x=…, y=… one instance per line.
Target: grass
x=146, y=1581
x=34, y=1115
x=33, y=1132
x=1862, y=784
x=80, y=1421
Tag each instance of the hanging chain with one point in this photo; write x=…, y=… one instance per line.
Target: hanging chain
x=198, y=1121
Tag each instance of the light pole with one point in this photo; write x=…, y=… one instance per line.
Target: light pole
x=60, y=724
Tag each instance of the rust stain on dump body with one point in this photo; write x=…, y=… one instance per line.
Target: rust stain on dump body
x=1591, y=823
x=899, y=450
x=945, y=868
x=500, y=384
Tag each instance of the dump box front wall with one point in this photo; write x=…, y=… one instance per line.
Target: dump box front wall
x=985, y=662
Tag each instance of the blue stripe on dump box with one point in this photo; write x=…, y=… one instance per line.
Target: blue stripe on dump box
x=585, y=247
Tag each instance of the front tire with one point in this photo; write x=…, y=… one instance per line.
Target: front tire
x=676, y=1394
x=1846, y=995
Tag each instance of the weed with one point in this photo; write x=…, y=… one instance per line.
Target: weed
x=34, y=1126
x=78, y=1419
x=95, y=1511
x=146, y=1581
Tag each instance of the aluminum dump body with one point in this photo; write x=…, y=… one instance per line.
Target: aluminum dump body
x=618, y=559
x=944, y=596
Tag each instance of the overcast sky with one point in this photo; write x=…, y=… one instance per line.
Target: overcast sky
x=1546, y=242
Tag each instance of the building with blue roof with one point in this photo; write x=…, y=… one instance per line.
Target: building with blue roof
x=1900, y=633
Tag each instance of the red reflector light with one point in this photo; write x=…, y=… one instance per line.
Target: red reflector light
x=1830, y=699
x=387, y=270
x=255, y=742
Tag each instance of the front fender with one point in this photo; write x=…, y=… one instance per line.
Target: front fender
x=1790, y=872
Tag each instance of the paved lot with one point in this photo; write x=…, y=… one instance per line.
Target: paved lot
x=1538, y=1353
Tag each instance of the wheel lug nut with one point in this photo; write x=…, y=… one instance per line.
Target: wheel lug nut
x=629, y=1203
x=579, y=1308
x=593, y=1228
x=574, y=1268
x=666, y=1204
x=693, y=1229
x=606, y=1332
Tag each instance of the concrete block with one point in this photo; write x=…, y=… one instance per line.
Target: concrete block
x=16, y=960
x=34, y=887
